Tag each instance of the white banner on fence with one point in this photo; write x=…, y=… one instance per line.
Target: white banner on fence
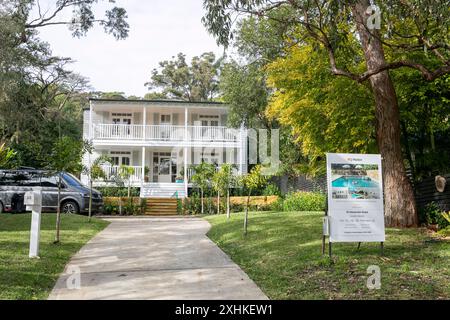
x=355, y=198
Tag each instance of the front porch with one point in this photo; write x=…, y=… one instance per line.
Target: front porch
x=161, y=171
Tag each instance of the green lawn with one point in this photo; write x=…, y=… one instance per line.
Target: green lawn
x=24, y=278
x=282, y=254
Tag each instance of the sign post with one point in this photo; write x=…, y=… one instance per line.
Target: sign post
x=355, y=209
x=33, y=201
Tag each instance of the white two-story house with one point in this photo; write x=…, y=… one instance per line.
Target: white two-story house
x=161, y=140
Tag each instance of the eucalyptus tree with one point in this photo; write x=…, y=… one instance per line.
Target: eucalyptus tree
x=409, y=34
x=177, y=79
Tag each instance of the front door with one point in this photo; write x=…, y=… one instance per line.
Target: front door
x=165, y=164
x=164, y=167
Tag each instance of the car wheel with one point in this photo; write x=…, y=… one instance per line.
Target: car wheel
x=70, y=207
x=1, y=208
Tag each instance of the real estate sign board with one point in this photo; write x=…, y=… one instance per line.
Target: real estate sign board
x=355, y=198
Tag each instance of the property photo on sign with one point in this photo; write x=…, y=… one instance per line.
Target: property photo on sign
x=355, y=181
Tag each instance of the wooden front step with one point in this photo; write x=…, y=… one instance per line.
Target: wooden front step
x=161, y=206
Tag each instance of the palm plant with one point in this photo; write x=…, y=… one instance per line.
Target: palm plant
x=202, y=177
x=6, y=156
x=223, y=180
x=94, y=172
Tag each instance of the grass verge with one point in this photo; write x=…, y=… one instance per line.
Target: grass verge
x=282, y=254
x=30, y=279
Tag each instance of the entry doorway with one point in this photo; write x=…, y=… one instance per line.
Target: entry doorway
x=164, y=167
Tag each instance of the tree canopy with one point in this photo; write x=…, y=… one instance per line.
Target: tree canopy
x=176, y=79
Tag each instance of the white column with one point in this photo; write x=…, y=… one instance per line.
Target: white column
x=91, y=128
x=185, y=154
x=185, y=151
x=144, y=121
x=143, y=166
x=241, y=151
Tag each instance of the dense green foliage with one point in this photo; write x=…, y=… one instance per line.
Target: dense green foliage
x=302, y=201
x=176, y=79
x=40, y=99
x=432, y=214
x=118, y=191
x=322, y=112
x=124, y=206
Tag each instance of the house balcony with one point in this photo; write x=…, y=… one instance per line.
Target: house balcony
x=165, y=133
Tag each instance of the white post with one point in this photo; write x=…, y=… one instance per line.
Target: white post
x=144, y=120
x=33, y=201
x=185, y=151
x=241, y=151
x=91, y=127
x=185, y=154
x=143, y=167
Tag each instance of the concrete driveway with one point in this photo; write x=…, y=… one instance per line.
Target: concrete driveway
x=154, y=258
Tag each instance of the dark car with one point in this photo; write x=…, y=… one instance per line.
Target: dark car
x=74, y=195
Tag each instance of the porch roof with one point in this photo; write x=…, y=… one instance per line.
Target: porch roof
x=166, y=103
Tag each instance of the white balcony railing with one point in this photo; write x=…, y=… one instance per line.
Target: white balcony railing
x=165, y=133
x=118, y=131
x=112, y=173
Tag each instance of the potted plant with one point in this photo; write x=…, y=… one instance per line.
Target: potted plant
x=146, y=172
x=179, y=179
x=180, y=176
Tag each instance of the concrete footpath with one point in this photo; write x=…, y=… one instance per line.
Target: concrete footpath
x=154, y=258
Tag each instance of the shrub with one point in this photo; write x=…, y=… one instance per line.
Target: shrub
x=118, y=192
x=130, y=206
x=271, y=190
x=303, y=201
x=433, y=214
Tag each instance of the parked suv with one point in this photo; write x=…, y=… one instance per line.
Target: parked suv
x=74, y=195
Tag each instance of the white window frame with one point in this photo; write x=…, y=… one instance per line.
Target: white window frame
x=121, y=115
x=120, y=155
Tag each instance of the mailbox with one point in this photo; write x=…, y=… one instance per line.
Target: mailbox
x=33, y=201
x=32, y=198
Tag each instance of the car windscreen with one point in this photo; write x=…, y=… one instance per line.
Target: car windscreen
x=72, y=181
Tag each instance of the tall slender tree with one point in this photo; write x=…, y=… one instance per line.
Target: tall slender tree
x=409, y=29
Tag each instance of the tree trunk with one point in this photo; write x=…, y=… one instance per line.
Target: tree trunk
x=58, y=212
x=90, y=200
x=246, y=214
x=218, y=202
x=201, y=191
x=400, y=207
x=228, y=203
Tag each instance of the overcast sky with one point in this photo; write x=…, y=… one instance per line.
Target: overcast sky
x=159, y=29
